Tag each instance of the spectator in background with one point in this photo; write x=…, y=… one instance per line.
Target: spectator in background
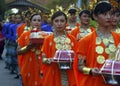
x=46, y=26
x=2, y=39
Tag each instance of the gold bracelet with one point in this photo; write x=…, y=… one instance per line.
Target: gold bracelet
x=45, y=60
x=86, y=70
x=23, y=48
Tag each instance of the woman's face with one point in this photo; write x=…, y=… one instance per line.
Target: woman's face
x=72, y=17
x=85, y=19
x=115, y=18
x=103, y=19
x=36, y=21
x=59, y=23
x=18, y=19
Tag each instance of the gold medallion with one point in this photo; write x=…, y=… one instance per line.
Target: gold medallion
x=112, y=47
x=58, y=46
x=107, y=50
x=117, y=30
x=100, y=59
x=98, y=40
x=99, y=49
x=82, y=34
x=67, y=40
x=82, y=30
x=56, y=39
x=89, y=30
x=111, y=56
x=106, y=41
x=67, y=47
x=111, y=40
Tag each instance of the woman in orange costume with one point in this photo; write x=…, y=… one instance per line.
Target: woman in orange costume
x=94, y=49
x=84, y=28
x=72, y=20
x=31, y=53
x=52, y=73
x=23, y=27
x=115, y=18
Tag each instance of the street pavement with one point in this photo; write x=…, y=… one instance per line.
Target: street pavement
x=7, y=79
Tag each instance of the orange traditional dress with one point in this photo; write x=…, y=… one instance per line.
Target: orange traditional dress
x=31, y=68
x=94, y=50
x=20, y=30
x=81, y=31
x=52, y=73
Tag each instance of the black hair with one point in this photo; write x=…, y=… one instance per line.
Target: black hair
x=72, y=11
x=19, y=13
x=27, y=13
x=86, y=12
x=34, y=15
x=58, y=13
x=116, y=10
x=102, y=7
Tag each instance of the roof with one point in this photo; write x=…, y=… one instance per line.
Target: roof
x=23, y=4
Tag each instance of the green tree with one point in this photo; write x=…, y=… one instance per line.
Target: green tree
x=2, y=8
x=64, y=3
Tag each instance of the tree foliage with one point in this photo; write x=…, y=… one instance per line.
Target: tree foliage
x=2, y=7
x=64, y=3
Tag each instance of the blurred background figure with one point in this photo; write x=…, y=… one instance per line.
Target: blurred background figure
x=115, y=19
x=2, y=40
x=72, y=19
x=84, y=28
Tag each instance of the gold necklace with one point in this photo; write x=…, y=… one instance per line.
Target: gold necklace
x=84, y=32
x=62, y=43
x=110, y=47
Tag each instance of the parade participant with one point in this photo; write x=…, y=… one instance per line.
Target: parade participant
x=22, y=28
x=6, y=32
x=12, y=48
x=115, y=18
x=72, y=20
x=94, y=49
x=30, y=71
x=84, y=28
x=25, y=26
x=52, y=75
